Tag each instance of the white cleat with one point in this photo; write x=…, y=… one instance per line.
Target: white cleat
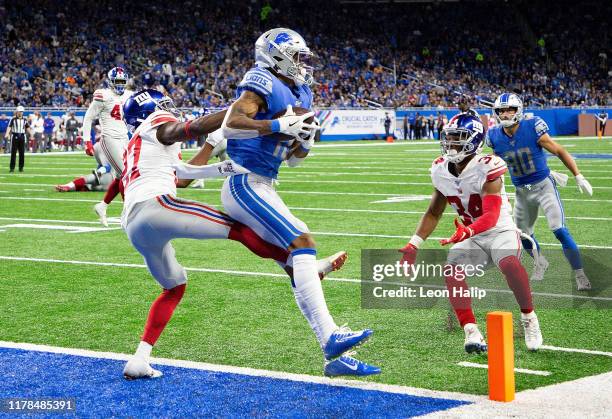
x=138, y=367
x=539, y=269
x=582, y=281
x=331, y=263
x=533, y=335
x=198, y=184
x=100, y=209
x=474, y=342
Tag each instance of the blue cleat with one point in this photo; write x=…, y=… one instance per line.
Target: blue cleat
x=347, y=365
x=343, y=340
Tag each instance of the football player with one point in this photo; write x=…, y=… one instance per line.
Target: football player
x=522, y=142
x=107, y=107
x=473, y=184
x=280, y=80
x=98, y=180
x=153, y=215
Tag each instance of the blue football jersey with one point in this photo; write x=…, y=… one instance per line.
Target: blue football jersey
x=263, y=155
x=525, y=158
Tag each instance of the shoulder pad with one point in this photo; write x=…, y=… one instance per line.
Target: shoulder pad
x=257, y=80
x=540, y=126
x=158, y=118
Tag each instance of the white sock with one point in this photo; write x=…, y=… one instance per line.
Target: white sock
x=104, y=204
x=579, y=271
x=309, y=294
x=144, y=350
x=529, y=315
x=71, y=185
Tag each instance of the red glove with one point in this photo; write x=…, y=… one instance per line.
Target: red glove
x=409, y=254
x=460, y=235
x=89, y=148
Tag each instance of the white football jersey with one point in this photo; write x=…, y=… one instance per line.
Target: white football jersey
x=464, y=193
x=107, y=107
x=148, y=164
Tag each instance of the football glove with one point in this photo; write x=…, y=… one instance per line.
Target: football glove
x=460, y=234
x=409, y=254
x=584, y=185
x=89, y=148
x=295, y=125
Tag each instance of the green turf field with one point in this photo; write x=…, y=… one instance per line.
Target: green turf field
x=248, y=317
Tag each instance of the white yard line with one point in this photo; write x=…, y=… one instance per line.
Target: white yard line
x=272, y=275
x=364, y=385
x=520, y=370
x=582, y=351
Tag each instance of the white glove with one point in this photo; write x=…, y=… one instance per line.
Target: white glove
x=221, y=169
x=584, y=185
x=215, y=137
x=308, y=143
x=294, y=125
x=560, y=178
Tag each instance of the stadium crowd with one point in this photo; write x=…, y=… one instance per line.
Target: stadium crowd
x=397, y=55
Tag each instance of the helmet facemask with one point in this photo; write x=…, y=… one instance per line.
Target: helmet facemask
x=506, y=123
x=457, y=144
x=167, y=104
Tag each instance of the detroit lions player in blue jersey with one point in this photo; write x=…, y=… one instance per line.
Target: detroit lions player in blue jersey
x=522, y=142
x=281, y=80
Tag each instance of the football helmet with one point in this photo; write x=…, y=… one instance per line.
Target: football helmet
x=464, y=130
x=117, y=79
x=505, y=101
x=143, y=103
x=285, y=51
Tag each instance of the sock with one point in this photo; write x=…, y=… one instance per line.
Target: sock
x=144, y=350
x=71, y=185
x=518, y=281
x=113, y=190
x=161, y=312
x=570, y=248
x=309, y=294
x=461, y=305
x=529, y=247
x=245, y=235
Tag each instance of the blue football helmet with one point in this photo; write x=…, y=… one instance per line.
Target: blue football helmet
x=462, y=136
x=143, y=103
x=117, y=79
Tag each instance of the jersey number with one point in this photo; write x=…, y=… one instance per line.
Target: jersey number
x=520, y=162
x=281, y=150
x=116, y=113
x=131, y=155
x=474, y=208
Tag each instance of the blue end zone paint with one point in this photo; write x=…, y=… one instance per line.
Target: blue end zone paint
x=100, y=391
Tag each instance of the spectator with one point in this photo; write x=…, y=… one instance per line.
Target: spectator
x=49, y=128
x=38, y=129
x=4, y=140
x=72, y=130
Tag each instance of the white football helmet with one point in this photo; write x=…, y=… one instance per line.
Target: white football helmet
x=285, y=51
x=505, y=101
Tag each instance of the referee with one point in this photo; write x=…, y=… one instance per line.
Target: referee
x=17, y=133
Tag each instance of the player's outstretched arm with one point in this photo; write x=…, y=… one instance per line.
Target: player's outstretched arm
x=174, y=132
x=93, y=112
x=200, y=159
x=558, y=150
x=239, y=122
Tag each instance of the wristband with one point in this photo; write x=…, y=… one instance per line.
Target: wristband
x=187, y=133
x=275, y=126
x=416, y=241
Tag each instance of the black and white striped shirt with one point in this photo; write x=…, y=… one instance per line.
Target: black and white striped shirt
x=18, y=125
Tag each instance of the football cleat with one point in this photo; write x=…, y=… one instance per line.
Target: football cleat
x=539, y=269
x=474, y=342
x=582, y=281
x=344, y=339
x=331, y=263
x=138, y=367
x=347, y=365
x=533, y=335
x=100, y=209
x=96, y=175
x=62, y=188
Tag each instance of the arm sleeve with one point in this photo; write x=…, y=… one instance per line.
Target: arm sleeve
x=491, y=207
x=92, y=113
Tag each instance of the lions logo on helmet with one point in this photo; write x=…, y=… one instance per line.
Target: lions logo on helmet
x=508, y=101
x=143, y=103
x=285, y=51
x=117, y=79
x=462, y=136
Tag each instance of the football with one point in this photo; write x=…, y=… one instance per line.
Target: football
x=298, y=111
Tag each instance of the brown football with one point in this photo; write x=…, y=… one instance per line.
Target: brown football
x=298, y=111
